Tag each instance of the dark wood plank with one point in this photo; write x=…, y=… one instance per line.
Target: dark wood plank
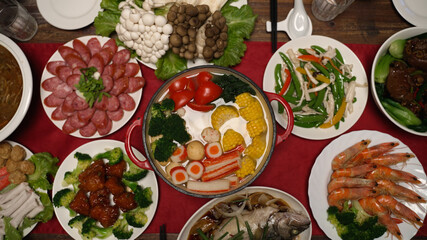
x=365, y=21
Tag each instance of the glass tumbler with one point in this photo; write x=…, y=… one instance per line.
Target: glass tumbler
x=326, y=10
x=15, y=21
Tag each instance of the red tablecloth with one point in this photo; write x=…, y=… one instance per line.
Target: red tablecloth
x=288, y=169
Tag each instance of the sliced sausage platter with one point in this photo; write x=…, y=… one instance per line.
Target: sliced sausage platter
x=122, y=79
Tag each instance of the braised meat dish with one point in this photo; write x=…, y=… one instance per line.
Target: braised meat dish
x=406, y=78
x=102, y=194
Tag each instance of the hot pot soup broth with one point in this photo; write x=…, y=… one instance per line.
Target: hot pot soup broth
x=11, y=85
x=197, y=121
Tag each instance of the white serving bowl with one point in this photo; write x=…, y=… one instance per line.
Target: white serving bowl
x=403, y=34
x=27, y=90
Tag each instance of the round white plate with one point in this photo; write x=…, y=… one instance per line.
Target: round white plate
x=349, y=58
x=116, y=124
x=292, y=201
x=321, y=172
x=198, y=61
x=27, y=89
x=413, y=11
x=93, y=148
x=28, y=155
x=69, y=15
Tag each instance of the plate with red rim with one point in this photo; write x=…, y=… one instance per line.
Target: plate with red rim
x=92, y=148
x=321, y=172
x=136, y=96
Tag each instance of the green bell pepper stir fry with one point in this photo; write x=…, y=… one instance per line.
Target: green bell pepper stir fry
x=321, y=83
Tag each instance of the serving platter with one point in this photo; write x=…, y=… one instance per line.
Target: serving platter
x=321, y=172
x=59, y=123
x=69, y=15
x=27, y=89
x=92, y=148
x=349, y=58
x=412, y=11
x=292, y=201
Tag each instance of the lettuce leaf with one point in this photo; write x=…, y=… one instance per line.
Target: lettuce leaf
x=106, y=21
x=169, y=65
x=241, y=23
x=45, y=165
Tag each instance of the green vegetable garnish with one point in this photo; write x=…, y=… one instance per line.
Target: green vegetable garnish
x=169, y=65
x=396, y=48
x=90, y=87
x=382, y=68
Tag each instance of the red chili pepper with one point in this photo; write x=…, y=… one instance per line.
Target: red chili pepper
x=286, y=83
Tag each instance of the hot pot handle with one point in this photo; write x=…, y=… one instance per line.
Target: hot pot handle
x=128, y=147
x=282, y=137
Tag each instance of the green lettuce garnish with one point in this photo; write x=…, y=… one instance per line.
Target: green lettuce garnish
x=45, y=165
x=169, y=65
x=106, y=21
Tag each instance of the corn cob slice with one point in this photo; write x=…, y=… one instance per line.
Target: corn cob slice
x=222, y=114
x=247, y=167
x=244, y=99
x=252, y=111
x=257, y=147
x=256, y=127
x=232, y=139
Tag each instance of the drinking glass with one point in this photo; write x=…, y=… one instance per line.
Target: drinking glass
x=15, y=21
x=326, y=10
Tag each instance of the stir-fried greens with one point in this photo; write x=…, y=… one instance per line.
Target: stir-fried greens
x=318, y=85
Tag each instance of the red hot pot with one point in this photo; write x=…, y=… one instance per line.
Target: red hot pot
x=222, y=175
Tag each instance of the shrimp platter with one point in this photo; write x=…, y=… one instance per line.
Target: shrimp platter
x=368, y=185
x=373, y=177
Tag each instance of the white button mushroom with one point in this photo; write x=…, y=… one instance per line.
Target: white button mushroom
x=134, y=17
x=160, y=21
x=148, y=19
x=167, y=29
x=159, y=45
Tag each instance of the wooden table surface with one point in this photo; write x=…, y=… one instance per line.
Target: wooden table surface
x=364, y=22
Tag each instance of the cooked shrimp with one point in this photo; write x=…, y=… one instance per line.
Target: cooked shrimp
x=373, y=207
x=341, y=195
x=345, y=182
x=357, y=171
x=398, y=209
x=388, y=187
x=371, y=152
x=383, y=172
x=391, y=159
x=343, y=157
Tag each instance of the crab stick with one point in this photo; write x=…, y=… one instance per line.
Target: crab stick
x=216, y=168
x=215, y=186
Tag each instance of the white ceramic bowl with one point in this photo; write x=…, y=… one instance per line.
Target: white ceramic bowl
x=403, y=34
x=27, y=90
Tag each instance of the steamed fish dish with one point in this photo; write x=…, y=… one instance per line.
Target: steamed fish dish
x=250, y=216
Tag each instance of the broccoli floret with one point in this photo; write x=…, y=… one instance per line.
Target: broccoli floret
x=88, y=229
x=155, y=126
x=134, y=173
x=136, y=217
x=77, y=222
x=163, y=149
x=354, y=223
x=143, y=196
x=63, y=197
x=156, y=111
x=114, y=155
x=72, y=177
x=121, y=229
x=174, y=128
x=167, y=105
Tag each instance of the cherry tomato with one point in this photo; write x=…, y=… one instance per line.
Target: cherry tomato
x=201, y=108
x=181, y=98
x=179, y=84
x=207, y=92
